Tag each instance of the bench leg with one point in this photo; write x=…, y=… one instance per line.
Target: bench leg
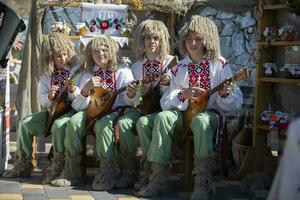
x=83, y=158
x=189, y=162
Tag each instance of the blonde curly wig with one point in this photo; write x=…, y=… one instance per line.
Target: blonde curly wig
x=208, y=32
x=94, y=45
x=55, y=43
x=153, y=28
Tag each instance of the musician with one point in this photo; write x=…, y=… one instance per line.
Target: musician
x=102, y=70
x=57, y=63
x=152, y=51
x=202, y=68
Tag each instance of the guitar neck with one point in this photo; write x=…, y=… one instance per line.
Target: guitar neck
x=238, y=76
x=173, y=62
x=218, y=87
x=122, y=89
x=119, y=91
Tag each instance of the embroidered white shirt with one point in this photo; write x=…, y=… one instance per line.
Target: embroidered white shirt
x=219, y=71
x=123, y=76
x=137, y=70
x=44, y=87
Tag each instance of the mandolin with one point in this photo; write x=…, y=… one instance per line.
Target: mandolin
x=101, y=101
x=60, y=105
x=196, y=106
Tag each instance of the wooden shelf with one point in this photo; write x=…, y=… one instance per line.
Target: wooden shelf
x=279, y=43
x=260, y=158
x=263, y=127
x=275, y=7
x=279, y=80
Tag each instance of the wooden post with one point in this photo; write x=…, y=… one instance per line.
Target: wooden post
x=171, y=28
x=34, y=146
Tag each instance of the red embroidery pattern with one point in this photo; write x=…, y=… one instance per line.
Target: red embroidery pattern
x=58, y=78
x=199, y=75
x=152, y=69
x=108, y=78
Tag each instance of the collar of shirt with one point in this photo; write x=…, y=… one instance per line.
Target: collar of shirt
x=189, y=61
x=97, y=68
x=155, y=63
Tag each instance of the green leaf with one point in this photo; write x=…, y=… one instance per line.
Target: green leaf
x=139, y=98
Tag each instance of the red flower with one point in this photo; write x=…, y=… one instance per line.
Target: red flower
x=92, y=29
x=104, y=25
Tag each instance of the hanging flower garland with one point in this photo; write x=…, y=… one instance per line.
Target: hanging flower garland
x=103, y=25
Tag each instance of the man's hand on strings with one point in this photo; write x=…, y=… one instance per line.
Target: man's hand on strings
x=94, y=82
x=165, y=80
x=131, y=89
x=70, y=85
x=53, y=92
x=192, y=93
x=224, y=91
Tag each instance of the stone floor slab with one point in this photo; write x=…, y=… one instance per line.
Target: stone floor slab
x=31, y=186
x=81, y=197
x=10, y=187
x=11, y=197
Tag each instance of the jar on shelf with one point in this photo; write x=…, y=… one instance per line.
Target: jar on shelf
x=270, y=69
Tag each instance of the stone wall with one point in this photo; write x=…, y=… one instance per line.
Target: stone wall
x=237, y=37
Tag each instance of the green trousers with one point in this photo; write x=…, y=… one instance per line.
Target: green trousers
x=155, y=133
x=75, y=129
x=204, y=126
x=105, y=139
x=58, y=130
x=34, y=125
x=104, y=134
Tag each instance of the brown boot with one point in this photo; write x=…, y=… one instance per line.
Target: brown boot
x=71, y=173
x=22, y=168
x=107, y=175
x=158, y=181
x=203, y=189
x=145, y=171
x=56, y=167
x=128, y=168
